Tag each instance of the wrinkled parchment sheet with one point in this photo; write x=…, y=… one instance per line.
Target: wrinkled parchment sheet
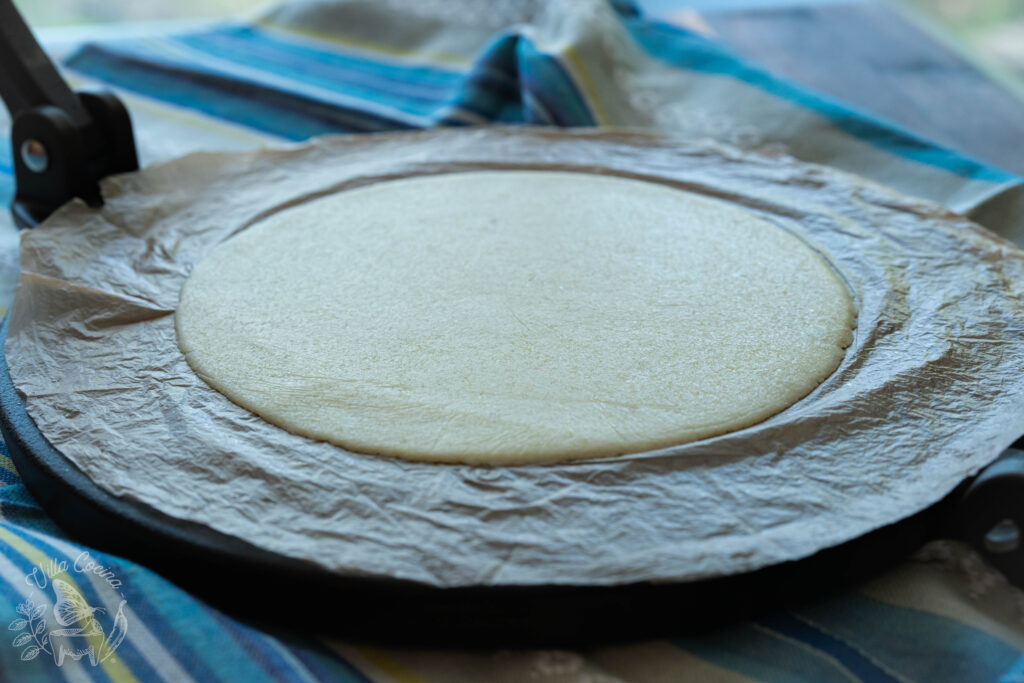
x=930, y=391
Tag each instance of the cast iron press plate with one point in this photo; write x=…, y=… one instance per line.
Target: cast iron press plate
x=257, y=585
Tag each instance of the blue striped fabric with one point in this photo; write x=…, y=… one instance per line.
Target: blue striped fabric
x=848, y=657
x=287, y=87
x=917, y=645
x=258, y=78
x=171, y=636
x=294, y=87
x=690, y=51
x=6, y=175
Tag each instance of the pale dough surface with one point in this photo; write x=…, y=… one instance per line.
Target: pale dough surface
x=508, y=317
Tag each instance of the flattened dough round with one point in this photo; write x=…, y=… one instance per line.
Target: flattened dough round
x=508, y=317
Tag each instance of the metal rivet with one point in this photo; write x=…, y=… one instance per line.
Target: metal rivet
x=35, y=156
x=1003, y=537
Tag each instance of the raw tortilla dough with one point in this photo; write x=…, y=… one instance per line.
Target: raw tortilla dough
x=512, y=317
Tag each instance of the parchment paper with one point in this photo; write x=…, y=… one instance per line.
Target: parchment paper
x=929, y=392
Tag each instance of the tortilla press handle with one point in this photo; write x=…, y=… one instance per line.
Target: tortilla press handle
x=990, y=514
x=63, y=142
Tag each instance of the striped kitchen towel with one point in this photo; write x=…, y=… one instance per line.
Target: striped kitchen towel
x=307, y=68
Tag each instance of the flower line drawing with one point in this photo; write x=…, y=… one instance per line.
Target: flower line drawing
x=76, y=632
x=37, y=633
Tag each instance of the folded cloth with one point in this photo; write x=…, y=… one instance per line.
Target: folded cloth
x=307, y=68
x=328, y=66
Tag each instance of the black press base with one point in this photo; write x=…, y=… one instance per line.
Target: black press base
x=276, y=591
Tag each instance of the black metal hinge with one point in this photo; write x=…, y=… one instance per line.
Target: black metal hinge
x=63, y=143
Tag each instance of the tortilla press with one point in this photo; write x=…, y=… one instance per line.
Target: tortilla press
x=64, y=143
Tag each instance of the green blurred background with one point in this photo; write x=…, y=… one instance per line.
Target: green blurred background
x=992, y=29
x=964, y=16
x=72, y=12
